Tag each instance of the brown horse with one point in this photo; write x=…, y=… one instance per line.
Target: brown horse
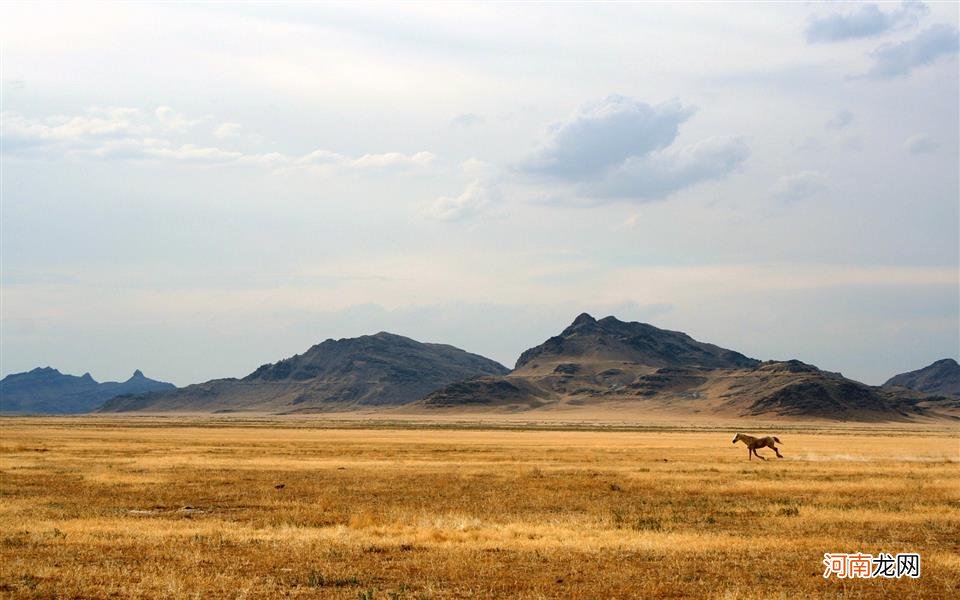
x=754, y=443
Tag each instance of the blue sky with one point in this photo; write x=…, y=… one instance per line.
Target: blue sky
x=195, y=190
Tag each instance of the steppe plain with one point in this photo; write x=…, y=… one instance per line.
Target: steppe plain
x=354, y=507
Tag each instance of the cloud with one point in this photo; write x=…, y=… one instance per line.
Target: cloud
x=163, y=150
x=468, y=119
x=477, y=169
x=840, y=120
x=114, y=133
x=604, y=134
x=659, y=174
x=391, y=159
x=799, y=186
x=866, y=21
x=326, y=161
x=227, y=130
x=98, y=124
x=921, y=144
x=475, y=200
x=128, y=134
x=174, y=121
x=621, y=148
x=898, y=60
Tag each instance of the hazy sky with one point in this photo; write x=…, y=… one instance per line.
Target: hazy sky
x=195, y=190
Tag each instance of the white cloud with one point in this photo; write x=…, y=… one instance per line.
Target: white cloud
x=325, y=161
x=159, y=149
x=126, y=134
x=108, y=133
x=604, y=134
x=273, y=160
x=921, y=144
x=867, y=21
x=475, y=200
x=391, y=159
x=799, y=186
x=227, y=130
x=621, y=148
x=191, y=153
x=899, y=59
x=659, y=174
x=98, y=124
x=174, y=121
x=476, y=168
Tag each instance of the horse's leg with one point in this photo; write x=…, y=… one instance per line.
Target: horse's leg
x=773, y=447
x=757, y=454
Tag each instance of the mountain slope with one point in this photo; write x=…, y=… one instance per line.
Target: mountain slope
x=796, y=389
x=941, y=378
x=47, y=390
x=367, y=371
x=641, y=368
x=594, y=361
x=611, y=339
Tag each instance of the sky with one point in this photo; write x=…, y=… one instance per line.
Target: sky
x=198, y=189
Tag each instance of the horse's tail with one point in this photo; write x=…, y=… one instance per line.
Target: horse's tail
x=777, y=440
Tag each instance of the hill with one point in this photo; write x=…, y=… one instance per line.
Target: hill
x=940, y=378
x=368, y=371
x=636, y=367
x=46, y=390
x=588, y=339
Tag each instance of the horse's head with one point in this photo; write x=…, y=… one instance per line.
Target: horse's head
x=736, y=438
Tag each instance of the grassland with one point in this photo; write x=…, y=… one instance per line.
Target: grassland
x=190, y=508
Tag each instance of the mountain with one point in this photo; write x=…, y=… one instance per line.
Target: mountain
x=47, y=390
x=796, y=389
x=592, y=361
x=941, y=378
x=368, y=371
x=606, y=365
x=636, y=367
x=610, y=339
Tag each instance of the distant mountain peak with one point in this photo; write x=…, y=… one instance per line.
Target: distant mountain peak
x=941, y=377
x=47, y=370
x=47, y=390
x=630, y=341
x=610, y=319
x=583, y=319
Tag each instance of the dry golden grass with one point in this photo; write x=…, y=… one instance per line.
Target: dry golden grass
x=172, y=508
